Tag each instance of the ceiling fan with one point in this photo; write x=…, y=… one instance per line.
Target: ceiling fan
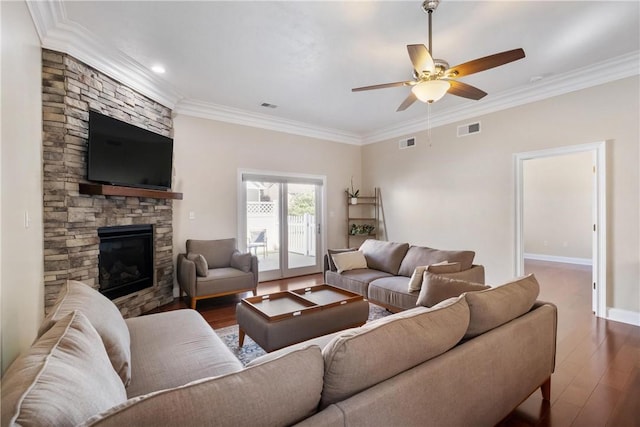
x=433, y=78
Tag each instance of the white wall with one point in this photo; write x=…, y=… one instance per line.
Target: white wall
x=557, y=206
x=208, y=155
x=458, y=193
x=21, y=283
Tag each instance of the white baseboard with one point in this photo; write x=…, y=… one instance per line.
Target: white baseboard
x=562, y=259
x=624, y=316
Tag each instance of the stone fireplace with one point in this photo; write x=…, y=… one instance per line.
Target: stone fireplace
x=72, y=220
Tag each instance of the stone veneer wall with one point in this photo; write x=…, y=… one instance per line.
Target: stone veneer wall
x=69, y=89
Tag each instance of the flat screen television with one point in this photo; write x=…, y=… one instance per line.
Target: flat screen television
x=123, y=154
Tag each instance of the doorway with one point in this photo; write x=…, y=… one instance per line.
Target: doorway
x=597, y=225
x=281, y=217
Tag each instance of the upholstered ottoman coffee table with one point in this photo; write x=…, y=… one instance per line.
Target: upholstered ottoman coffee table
x=284, y=318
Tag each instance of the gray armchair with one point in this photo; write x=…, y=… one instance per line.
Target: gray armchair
x=213, y=268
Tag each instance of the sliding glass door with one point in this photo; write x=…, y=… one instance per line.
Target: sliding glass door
x=281, y=223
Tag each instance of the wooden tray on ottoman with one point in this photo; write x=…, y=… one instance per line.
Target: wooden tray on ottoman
x=327, y=295
x=280, y=305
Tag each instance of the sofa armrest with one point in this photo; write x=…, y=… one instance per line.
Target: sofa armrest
x=325, y=266
x=186, y=275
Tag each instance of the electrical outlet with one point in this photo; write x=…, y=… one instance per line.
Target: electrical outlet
x=192, y=215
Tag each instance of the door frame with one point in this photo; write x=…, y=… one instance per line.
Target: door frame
x=599, y=197
x=241, y=232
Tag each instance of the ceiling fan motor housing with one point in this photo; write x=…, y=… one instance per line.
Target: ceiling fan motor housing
x=430, y=5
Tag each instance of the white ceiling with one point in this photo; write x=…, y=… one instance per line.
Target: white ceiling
x=229, y=57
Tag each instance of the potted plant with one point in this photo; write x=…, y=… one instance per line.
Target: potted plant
x=352, y=194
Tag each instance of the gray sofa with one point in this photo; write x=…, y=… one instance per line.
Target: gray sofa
x=390, y=266
x=470, y=360
x=213, y=268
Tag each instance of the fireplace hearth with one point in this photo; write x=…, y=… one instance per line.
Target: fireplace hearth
x=125, y=262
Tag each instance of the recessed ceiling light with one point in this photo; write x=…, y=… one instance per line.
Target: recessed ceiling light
x=158, y=69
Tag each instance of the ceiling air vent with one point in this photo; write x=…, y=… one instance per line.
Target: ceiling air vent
x=407, y=143
x=468, y=129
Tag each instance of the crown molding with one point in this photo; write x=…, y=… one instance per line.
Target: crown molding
x=58, y=33
x=207, y=110
x=600, y=73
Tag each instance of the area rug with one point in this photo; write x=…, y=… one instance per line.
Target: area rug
x=250, y=350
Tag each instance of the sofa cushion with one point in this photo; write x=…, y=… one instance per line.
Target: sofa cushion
x=354, y=280
x=64, y=378
x=103, y=315
x=216, y=252
x=362, y=357
x=241, y=261
x=351, y=260
x=201, y=263
x=419, y=255
x=384, y=256
x=444, y=267
x=496, y=306
x=173, y=348
x=279, y=392
x=392, y=292
x=436, y=288
x=331, y=252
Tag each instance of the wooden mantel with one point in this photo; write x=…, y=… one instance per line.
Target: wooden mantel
x=115, y=190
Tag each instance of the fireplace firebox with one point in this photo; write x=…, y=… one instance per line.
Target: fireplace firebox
x=125, y=261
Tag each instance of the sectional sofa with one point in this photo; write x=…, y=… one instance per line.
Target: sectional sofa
x=389, y=268
x=469, y=360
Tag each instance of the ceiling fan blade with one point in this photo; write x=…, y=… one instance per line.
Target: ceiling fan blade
x=407, y=102
x=421, y=58
x=485, y=63
x=466, y=91
x=382, y=86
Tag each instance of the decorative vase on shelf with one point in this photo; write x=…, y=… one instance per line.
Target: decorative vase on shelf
x=354, y=200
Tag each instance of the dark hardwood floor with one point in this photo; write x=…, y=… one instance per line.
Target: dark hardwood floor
x=597, y=377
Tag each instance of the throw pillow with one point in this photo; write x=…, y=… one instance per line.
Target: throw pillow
x=496, y=306
x=201, y=264
x=241, y=261
x=416, y=278
x=437, y=288
x=349, y=261
x=444, y=267
x=103, y=315
x=64, y=378
x=331, y=252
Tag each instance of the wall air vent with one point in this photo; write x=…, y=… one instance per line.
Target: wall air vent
x=407, y=143
x=468, y=129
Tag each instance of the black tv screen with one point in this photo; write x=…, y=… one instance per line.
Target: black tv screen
x=123, y=154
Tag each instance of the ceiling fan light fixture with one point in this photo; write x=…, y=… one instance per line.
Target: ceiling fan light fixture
x=431, y=90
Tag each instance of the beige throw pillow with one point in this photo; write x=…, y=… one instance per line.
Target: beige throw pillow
x=501, y=304
x=437, y=288
x=64, y=378
x=444, y=267
x=331, y=252
x=201, y=264
x=103, y=315
x=346, y=261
